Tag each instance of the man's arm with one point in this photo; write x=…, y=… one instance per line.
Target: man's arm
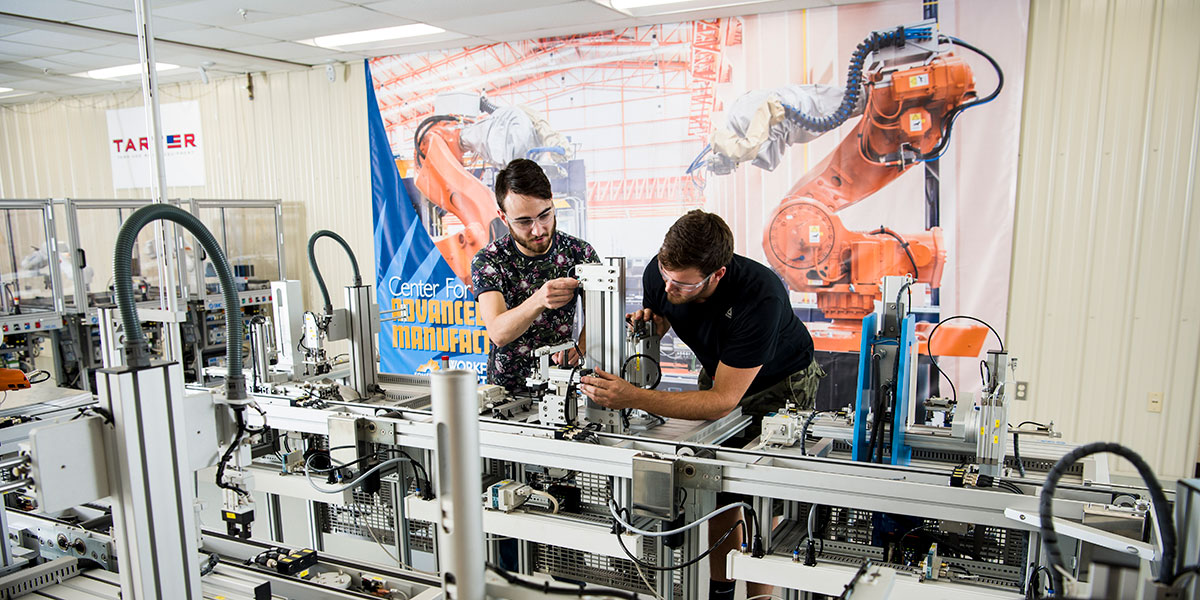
x=507, y=324
x=729, y=386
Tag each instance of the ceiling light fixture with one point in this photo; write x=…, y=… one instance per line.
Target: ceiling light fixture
x=357, y=38
x=123, y=71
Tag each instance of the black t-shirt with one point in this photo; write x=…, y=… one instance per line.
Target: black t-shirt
x=747, y=322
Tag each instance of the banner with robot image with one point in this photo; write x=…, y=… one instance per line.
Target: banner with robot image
x=911, y=170
x=427, y=316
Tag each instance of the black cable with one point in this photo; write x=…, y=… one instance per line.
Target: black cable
x=423, y=128
x=903, y=245
x=862, y=570
x=804, y=430
x=657, y=366
x=1039, y=425
x=240, y=421
x=948, y=121
x=653, y=567
x=546, y=588
x=1017, y=453
x=1010, y=486
x=1162, y=512
x=426, y=490
x=210, y=564
x=1033, y=587
x=933, y=357
x=960, y=567
x=32, y=381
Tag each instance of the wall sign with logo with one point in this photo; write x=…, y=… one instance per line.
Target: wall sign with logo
x=183, y=146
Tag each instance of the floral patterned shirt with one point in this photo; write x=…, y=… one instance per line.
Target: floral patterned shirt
x=501, y=267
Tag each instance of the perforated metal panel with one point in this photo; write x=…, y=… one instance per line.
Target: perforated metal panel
x=604, y=570
x=376, y=511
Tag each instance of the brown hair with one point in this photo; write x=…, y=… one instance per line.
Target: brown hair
x=698, y=239
x=522, y=176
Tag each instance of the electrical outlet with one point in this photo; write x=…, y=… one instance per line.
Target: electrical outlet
x=1022, y=391
x=1154, y=402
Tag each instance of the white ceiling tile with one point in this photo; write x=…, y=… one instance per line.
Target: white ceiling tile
x=127, y=52
x=283, y=50
x=424, y=10
x=56, y=10
x=81, y=61
x=126, y=23
x=10, y=50
x=342, y=20
x=6, y=29
x=218, y=13
x=53, y=65
x=215, y=37
x=128, y=4
x=54, y=39
x=573, y=14
x=293, y=7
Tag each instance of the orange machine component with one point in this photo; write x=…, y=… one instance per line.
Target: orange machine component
x=13, y=379
x=806, y=242
x=444, y=180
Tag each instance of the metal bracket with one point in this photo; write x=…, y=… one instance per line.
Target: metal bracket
x=698, y=476
x=377, y=432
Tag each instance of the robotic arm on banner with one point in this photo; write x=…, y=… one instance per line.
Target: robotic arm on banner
x=912, y=91
x=441, y=143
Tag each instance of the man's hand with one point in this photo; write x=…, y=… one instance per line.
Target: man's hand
x=569, y=357
x=608, y=390
x=556, y=293
x=661, y=325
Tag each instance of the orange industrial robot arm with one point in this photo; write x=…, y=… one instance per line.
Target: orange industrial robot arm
x=912, y=100
x=443, y=179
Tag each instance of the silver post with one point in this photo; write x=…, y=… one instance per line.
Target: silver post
x=173, y=348
x=459, y=477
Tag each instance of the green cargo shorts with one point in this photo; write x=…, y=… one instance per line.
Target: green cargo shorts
x=799, y=388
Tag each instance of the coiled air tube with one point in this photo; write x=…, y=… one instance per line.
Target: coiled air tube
x=312, y=262
x=1158, y=503
x=876, y=41
x=137, y=350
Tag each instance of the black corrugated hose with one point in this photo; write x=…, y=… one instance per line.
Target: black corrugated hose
x=1158, y=500
x=312, y=262
x=137, y=350
x=876, y=41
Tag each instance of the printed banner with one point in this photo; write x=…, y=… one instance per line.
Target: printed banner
x=913, y=173
x=183, y=146
x=427, y=314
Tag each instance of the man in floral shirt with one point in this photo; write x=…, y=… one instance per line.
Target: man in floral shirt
x=523, y=280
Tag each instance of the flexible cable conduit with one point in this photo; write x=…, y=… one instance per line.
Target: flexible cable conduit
x=312, y=262
x=137, y=350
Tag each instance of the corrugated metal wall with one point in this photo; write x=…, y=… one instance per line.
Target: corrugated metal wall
x=302, y=139
x=1103, y=304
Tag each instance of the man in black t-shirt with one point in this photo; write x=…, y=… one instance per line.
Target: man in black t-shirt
x=735, y=315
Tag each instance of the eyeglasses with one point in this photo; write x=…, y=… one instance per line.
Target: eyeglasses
x=683, y=287
x=543, y=218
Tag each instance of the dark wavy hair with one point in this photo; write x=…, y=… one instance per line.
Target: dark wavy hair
x=522, y=176
x=698, y=239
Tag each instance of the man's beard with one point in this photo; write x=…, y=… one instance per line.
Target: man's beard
x=689, y=297
x=539, y=246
